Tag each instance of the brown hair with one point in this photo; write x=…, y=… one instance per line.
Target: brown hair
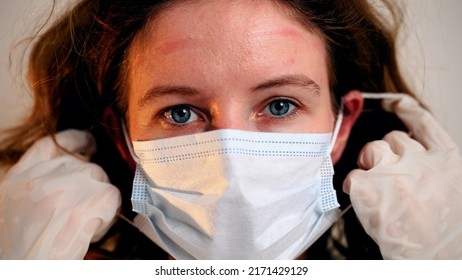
x=77, y=66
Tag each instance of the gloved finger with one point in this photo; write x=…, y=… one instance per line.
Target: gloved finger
x=75, y=141
x=90, y=170
x=422, y=125
x=375, y=153
x=109, y=207
x=69, y=170
x=400, y=142
x=358, y=185
x=45, y=149
x=348, y=179
x=88, y=221
x=69, y=220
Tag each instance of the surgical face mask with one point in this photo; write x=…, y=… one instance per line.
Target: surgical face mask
x=230, y=194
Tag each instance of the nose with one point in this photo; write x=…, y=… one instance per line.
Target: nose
x=231, y=115
x=231, y=121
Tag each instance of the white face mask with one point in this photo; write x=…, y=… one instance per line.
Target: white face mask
x=230, y=194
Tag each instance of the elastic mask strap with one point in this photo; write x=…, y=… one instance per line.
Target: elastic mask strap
x=338, y=124
x=385, y=95
x=129, y=143
x=366, y=95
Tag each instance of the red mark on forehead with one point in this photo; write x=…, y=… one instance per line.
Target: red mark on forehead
x=173, y=46
x=290, y=60
x=286, y=32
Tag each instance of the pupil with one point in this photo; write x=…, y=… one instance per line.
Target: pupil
x=279, y=107
x=181, y=114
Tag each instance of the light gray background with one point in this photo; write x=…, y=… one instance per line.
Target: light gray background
x=430, y=55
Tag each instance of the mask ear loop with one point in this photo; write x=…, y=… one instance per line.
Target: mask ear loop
x=128, y=142
x=338, y=124
x=366, y=95
x=135, y=158
x=335, y=133
x=385, y=95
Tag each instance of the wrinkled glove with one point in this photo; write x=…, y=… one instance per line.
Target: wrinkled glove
x=53, y=204
x=408, y=197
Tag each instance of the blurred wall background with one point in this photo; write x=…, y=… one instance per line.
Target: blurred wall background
x=19, y=19
x=430, y=55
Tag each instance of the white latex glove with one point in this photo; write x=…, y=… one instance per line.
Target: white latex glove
x=52, y=204
x=408, y=197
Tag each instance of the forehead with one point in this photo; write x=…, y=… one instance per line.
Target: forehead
x=242, y=40
x=185, y=24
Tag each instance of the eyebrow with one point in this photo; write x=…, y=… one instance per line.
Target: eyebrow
x=159, y=91
x=286, y=80
x=290, y=80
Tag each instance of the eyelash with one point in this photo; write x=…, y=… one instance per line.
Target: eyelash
x=289, y=115
x=170, y=124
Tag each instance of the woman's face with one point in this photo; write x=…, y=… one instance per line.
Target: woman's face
x=206, y=65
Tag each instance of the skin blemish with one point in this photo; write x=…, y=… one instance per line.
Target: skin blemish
x=286, y=32
x=291, y=60
x=174, y=46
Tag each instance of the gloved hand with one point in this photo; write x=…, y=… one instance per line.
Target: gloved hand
x=408, y=197
x=53, y=204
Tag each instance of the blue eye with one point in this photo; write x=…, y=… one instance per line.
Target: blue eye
x=280, y=107
x=181, y=114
